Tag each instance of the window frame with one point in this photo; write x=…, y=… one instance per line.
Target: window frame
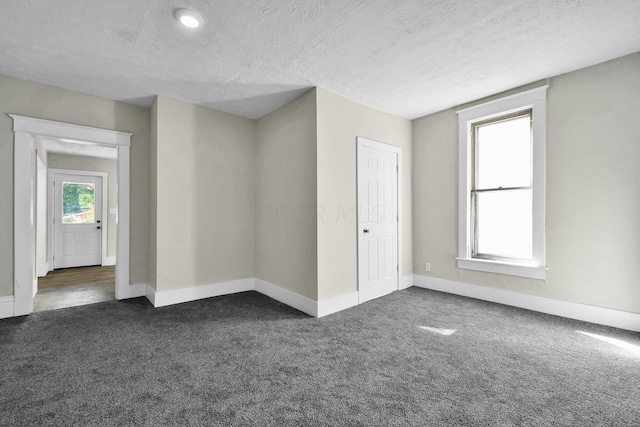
x=535, y=101
x=474, y=191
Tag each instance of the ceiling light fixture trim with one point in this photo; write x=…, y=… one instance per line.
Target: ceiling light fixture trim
x=188, y=17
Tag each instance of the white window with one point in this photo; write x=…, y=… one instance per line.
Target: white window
x=501, y=185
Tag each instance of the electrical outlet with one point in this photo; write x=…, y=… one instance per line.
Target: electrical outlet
x=427, y=267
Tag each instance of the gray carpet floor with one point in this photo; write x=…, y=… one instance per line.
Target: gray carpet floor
x=245, y=359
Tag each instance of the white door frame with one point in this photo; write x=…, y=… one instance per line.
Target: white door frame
x=364, y=142
x=42, y=209
x=51, y=207
x=25, y=129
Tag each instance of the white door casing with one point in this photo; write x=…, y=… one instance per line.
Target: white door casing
x=25, y=129
x=78, y=244
x=42, y=265
x=378, y=219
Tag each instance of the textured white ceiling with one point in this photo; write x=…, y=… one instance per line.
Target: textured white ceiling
x=408, y=57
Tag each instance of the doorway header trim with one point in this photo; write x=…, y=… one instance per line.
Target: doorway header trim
x=70, y=132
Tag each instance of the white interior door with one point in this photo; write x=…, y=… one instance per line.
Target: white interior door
x=377, y=220
x=77, y=220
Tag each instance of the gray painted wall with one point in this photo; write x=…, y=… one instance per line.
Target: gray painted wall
x=286, y=244
x=47, y=102
x=340, y=121
x=211, y=170
x=205, y=195
x=592, y=196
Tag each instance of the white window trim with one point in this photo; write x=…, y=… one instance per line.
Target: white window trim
x=536, y=99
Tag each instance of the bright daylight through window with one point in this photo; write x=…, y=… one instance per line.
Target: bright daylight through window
x=501, y=193
x=78, y=203
x=501, y=185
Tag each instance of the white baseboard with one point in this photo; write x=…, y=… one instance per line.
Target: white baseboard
x=177, y=296
x=336, y=304
x=6, y=307
x=588, y=313
x=285, y=296
x=406, y=282
x=131, y=291
x=110, y=260
x=278, y=293
x=150, y=294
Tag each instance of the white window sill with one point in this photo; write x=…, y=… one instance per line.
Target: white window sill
x=502, y=267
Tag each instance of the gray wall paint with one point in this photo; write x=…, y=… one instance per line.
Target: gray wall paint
x=286, y=244
x=47, y=102
x=592, y=202
x=340, y=121
x=94, y=164
x=208, y=171
x=205, y=167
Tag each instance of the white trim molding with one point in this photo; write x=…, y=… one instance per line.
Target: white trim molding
x=109, y=260
x=502, y=267
x=285, y=296
x=194, y=293
x=571, y=310
x=68, y=132
x=536, y=100
x=336, y=304
x=134, y=291
x=406, y=282
x=26, y=129
x=150, y=294
x=292, y=299
x=6, y=307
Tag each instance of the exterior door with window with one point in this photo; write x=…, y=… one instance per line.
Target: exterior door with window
x=77, y=220
x=377, y=220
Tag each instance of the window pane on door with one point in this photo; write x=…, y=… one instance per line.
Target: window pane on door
x=78, y=203
x=504, y=221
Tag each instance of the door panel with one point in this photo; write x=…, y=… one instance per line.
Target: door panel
x=77, y=221
x=377, y=222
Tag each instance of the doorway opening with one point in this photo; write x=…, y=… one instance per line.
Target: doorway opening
x=70, y=287
x=31, y=136
x=76, y=242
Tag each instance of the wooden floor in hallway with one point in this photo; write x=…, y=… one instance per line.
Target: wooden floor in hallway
x=70, y=287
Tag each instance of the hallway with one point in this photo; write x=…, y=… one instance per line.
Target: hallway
x=71, y=287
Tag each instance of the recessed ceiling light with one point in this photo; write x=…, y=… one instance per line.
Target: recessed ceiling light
x=188, y=18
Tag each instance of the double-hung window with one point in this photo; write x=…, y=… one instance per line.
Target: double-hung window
x=501, y=185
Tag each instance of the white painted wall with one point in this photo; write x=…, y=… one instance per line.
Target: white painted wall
x=339, y=122
x=205, y=195
x=47, y=102
x=592, y=206
x=286, y=243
